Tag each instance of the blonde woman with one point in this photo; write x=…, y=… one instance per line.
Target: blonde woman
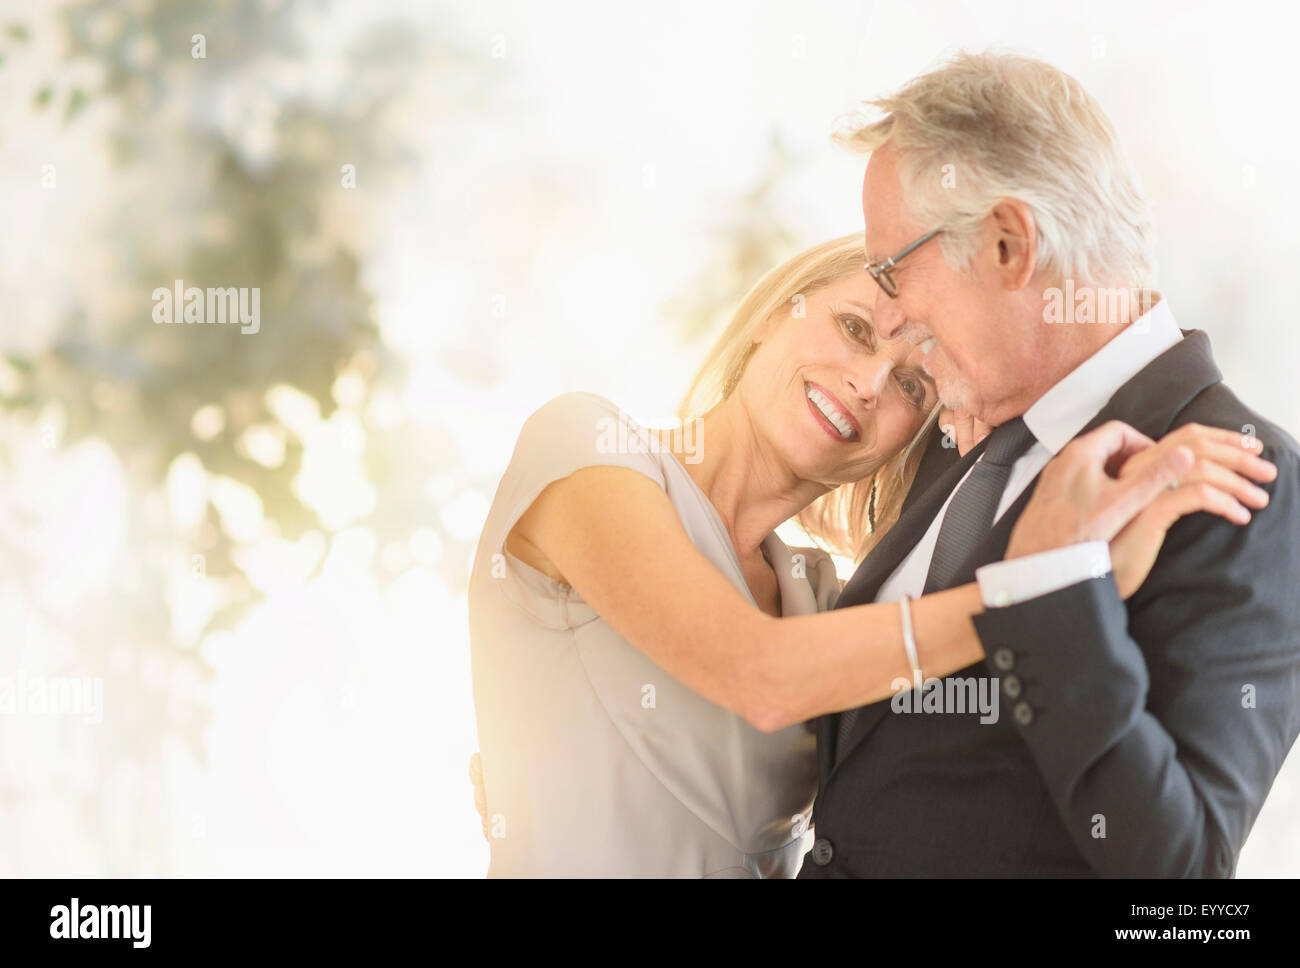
x=646, y=651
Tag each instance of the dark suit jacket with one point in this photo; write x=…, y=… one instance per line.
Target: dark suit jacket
x=1133, y=738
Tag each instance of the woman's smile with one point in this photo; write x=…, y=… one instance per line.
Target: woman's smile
x=831, y=415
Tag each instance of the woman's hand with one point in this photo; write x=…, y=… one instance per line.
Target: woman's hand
x=1093, y=491
x=962, y=429
x=1219, y=481
x=1225, y=459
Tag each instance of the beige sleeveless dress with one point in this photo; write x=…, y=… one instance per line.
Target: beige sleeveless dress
x=595, y=761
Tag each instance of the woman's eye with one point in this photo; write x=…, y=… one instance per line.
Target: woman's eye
x=856, y=329
x=912, y=387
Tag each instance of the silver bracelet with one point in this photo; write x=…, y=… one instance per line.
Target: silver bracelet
x=909, y=640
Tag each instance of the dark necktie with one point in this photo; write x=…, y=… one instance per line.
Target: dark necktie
x=970, y=515
x=965, y=524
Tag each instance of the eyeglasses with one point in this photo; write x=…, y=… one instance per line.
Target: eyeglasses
x=883, y=272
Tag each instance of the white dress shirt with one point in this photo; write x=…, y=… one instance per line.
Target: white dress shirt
x=1054, y=419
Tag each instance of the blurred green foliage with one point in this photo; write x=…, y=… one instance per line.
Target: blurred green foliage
x=227, y=173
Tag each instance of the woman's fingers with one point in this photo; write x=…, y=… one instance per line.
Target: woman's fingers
x=1131, y=495
x=1226, y=459
x=1235, y=451
x=1211, y=472
x=1135, y=548
x=1115, y=438
x=1248, y=443
x=965, y=432
x=1100, y=483
x=1247, y=463
x=960, y=426
x=1078, y=499
x=1112, y=444
x=1189, y=498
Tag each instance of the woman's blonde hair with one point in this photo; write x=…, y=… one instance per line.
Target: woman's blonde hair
x=850, y=519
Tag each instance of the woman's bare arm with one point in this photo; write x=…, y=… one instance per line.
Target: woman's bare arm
x=614, y=535
x=643, y=575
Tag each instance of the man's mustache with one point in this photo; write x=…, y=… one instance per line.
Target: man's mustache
x=914, y=333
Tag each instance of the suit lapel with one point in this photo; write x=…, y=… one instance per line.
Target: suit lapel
x=935, y=462
x=879, y=564
x=1152, y=400
x=885, y=557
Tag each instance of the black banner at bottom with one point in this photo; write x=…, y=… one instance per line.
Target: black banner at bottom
x=135, y=918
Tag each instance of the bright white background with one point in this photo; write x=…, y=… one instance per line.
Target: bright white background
x=579, y=184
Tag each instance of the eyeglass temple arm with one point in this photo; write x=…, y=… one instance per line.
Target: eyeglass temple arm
x=919, y=242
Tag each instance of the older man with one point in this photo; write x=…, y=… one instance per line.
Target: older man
x=1006, y=233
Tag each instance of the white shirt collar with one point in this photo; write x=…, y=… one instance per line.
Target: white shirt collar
x=1059, y=414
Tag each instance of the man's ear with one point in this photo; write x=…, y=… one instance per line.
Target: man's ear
x=1016, y=236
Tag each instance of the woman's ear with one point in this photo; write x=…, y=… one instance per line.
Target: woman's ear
x=766, y=326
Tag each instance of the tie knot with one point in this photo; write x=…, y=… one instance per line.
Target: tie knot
x=1008, y=442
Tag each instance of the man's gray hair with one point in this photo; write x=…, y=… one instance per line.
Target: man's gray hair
x=986, y=126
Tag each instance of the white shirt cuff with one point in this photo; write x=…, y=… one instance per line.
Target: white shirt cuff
x=1011, y=582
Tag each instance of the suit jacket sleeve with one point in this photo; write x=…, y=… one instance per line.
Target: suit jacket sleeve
x=1160, y=726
